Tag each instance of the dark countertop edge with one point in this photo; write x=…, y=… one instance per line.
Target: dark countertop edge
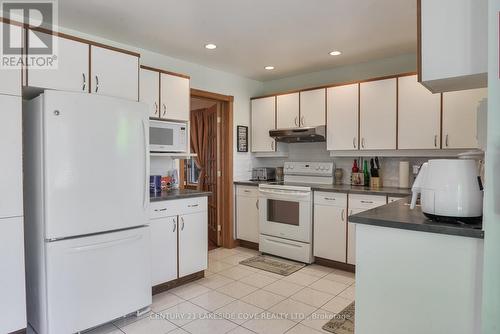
x=389, y=192
x=178, y=195
x=366, y=218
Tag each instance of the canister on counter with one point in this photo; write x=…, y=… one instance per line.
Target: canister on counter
x=155, y=184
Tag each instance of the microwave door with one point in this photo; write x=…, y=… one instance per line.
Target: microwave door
x=161, y=138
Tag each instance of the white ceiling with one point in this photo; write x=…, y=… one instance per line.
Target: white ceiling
x=293, y=35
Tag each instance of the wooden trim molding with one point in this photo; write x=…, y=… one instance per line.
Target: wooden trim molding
x=335, y=264
x=212, y=96
x=404, y=74
x=419, y=40
x=71, y=37
x=149, y=68
x=177, y=282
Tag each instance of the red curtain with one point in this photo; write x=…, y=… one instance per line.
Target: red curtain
x=199, y=143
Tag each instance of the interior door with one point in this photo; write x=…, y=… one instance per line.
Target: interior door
x=96, y=164
x=212, y=167
x=114, y=73
x=175, y=97
x=193, y=243
x=93, y=279
x=72, y=73
x=11, y=151
x=149, y=91
x=163, y=249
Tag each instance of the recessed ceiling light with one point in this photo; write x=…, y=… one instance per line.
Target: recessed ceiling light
x=269, y=68
x=210, y=46
x=335, y=53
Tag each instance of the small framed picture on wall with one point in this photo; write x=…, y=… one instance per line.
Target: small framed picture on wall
x=242, y=133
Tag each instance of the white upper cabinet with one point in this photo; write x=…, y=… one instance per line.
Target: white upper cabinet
x=11, y=177
x=263, y=120
x=460, y=118
x=10, y=79
x=342, y=117
x=149, y=91
x=453, y=44
x=175, y=97
x=72, y=72
x=287, y=111
x=419, y=115
x=378, y=114
x=114, y=73
x=313, y=107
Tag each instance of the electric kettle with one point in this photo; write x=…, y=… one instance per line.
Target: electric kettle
x=450, y=190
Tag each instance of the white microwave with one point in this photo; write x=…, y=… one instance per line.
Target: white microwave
x=165, y=136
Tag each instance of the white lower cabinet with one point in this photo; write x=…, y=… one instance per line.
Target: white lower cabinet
x=330, y=216
x=357, y=204
x=247, y=213
x=164, y=246
x=179, y=238
x=193, y=243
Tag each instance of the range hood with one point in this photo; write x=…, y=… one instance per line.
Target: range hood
x=300, y=135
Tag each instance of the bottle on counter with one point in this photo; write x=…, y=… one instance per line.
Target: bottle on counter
x=366, y=173
x=355, y=168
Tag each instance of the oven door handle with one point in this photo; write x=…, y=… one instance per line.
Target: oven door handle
x=297, y=193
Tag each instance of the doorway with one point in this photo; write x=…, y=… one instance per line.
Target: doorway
x=212, y=168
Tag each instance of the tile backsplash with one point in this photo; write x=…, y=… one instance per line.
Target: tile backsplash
x=318, y=152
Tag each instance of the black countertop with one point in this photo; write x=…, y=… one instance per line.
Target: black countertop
x=344, y=188
x=177, y=194
x=399, y=215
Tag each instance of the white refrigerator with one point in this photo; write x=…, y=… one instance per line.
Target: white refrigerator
x=86, y=194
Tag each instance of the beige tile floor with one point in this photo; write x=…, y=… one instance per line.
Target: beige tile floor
x=238, y=299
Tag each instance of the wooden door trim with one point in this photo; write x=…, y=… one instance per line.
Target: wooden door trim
x=159, y=70
x=227, y=195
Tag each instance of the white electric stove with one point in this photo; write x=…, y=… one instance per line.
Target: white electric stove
x=285, y=210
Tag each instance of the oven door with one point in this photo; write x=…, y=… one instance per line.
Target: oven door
x=286, y=214
x=167, y=137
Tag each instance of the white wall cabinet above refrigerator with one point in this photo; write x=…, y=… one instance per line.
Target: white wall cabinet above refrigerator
x=453, y=44
x=149, y=91
x=287, y=111
x=313, y=107
x=10, y=79
x=114, y=73
x=460, y=118
x=419, y=113
x=378, y=114
x=72, y=72
x=263, y=120
x=342, y=117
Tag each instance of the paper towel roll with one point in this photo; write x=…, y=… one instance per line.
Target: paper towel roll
x=404, y=174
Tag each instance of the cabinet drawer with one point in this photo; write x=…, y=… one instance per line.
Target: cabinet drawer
x=329, y=198
x=366, y=201
x=160, y=210
x=177, y=207
x=247, y=191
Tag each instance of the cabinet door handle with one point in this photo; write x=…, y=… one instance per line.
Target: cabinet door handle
x=447, y=142
x=329, y=198
x=342, y=214
x=84, y=82
x=272, y=145
x=363, y=142
x=435, y=141
x=96, y=83
x=302, y=120
x=367, y=202
x=175, y=224
x=182, y=220
x=156, y=108
x=193, y=205
x=164, y=109
x=296, y=121
x=159, y=210
x=257, y=204
x=354, y=142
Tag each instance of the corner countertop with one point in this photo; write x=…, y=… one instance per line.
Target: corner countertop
x=399, y=215
x=177, y=194
x=344, y=188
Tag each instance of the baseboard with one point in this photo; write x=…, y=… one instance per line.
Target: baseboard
x=177, y=282
x=248, y=244
x=335, y=264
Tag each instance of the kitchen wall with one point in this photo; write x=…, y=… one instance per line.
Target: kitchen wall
x=361, y=71
x=491, y=215
x=203, y=78
x=318, y=152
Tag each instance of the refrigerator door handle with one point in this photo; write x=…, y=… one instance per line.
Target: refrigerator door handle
x=106, y=244
x=146, y=166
